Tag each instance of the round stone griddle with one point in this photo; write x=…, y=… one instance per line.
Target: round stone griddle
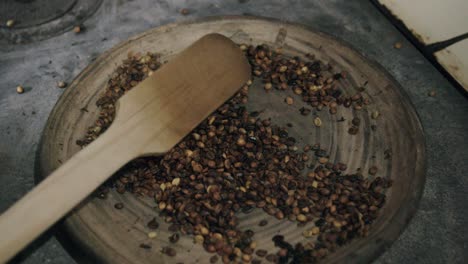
x=96, y=232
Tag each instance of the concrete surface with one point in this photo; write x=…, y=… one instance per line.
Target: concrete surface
x=437, y=234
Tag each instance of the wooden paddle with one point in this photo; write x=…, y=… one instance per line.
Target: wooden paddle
x=150, y=120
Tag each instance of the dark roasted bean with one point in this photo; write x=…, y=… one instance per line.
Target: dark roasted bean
x=356, y=121
x=214, y=259
x=145, y=246
x=174, y=238
x=169, y=251
x=272, y=258
x=353, y=130
x=261, y=253
x=153, y=224
x=263, y=222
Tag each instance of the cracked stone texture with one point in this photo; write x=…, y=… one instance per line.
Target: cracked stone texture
x=438, y=232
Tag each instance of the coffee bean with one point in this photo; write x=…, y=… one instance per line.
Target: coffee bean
x=263, y=222
x=214, y=259
x=145, y=246
x=174, y=238
x=261, y=253
x=169, y=251
x=153, y=224
x=373, y=170
x=356, y=121
x=353, y=130
x=272, y=258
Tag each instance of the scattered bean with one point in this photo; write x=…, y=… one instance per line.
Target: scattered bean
x=20, y=89
x=61, y=84
x=373, y=170
x=10, y=23
x=153, y=224
x=317, y=122
x=174, y=238
x=77, y=29
x=152, y=234
x=169, y=251
x=184, y=11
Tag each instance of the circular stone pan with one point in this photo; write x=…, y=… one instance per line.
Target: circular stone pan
x=103, y=234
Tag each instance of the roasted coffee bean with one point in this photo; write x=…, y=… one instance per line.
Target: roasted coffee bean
x=272, y=258
x=353, y=130
x=153, y=224
x=356, y=121
x=261, y=253
x=174, y=238
x=169, y=251
x=214, y=259
x=263, y=222
x=145, y=246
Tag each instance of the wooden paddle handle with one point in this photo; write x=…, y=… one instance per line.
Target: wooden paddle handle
x=61, y=191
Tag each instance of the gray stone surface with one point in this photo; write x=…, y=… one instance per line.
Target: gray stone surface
x=437, y=234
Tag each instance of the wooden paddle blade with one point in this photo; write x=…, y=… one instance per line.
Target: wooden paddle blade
x=165, y=107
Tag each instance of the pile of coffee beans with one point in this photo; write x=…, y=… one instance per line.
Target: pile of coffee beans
x=235, y=161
